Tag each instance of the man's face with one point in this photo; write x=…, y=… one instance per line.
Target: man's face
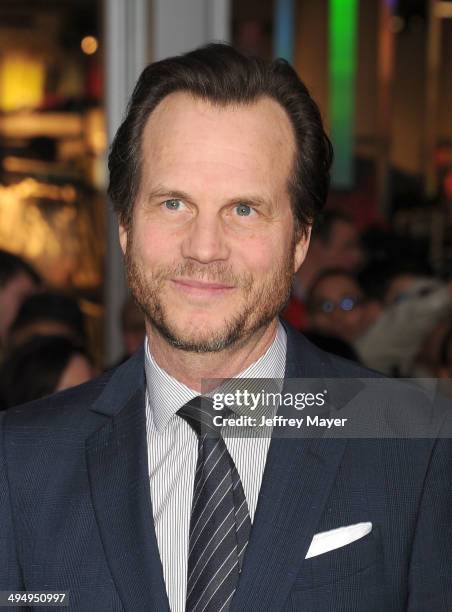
x=343, y=249
x=337, y=308
x=211, y=250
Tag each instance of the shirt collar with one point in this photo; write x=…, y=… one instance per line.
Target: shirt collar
x=166, y=394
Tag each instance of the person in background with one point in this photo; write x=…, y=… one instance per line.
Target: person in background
x=386, y=337
x=334, y=243
x=336, y=306
x=40, y=367
x=18, y=280
x=413, y=306
x=48, y=313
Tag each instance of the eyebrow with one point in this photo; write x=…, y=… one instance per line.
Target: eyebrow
x=163, y=192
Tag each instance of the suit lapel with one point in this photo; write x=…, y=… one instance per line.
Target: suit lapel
x=298, y=476
x=297, y=480
x=118, y=472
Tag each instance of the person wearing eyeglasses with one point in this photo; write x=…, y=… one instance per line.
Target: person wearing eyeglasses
x=388, y=339
x=335, y=306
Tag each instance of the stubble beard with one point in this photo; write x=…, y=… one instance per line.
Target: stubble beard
x=261, y=303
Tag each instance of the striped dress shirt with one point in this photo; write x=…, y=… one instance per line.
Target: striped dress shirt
x=172, y=455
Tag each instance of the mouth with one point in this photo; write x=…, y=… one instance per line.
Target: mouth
x=201, y=288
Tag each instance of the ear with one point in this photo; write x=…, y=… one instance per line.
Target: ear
x=123, y=234
x=301, y=247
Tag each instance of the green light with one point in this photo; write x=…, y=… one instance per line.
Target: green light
x=342, y=64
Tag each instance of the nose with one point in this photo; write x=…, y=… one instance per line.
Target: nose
x=205, y=241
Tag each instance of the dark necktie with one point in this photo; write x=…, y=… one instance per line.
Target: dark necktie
x=220, y=522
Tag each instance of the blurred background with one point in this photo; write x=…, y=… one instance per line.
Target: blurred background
x=381, y=72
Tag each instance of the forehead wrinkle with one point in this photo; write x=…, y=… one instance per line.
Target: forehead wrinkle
x=230, y=166
x=174, y=136
x=281, y=132
x=232, y=180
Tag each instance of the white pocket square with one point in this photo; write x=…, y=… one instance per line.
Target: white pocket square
x=336, y=538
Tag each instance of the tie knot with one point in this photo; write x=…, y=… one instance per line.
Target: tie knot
x=199, y=413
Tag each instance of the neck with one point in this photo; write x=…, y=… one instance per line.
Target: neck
x=192, y=368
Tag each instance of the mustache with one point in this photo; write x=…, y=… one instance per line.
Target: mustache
x=215, y=272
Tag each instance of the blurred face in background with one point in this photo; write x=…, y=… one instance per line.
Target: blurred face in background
x=343, y=249
x=212, y=248
x=337, y=308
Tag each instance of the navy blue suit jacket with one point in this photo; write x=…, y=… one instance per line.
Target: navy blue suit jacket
x=76, y=515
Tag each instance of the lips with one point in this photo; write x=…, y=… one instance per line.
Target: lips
x=201, y=288
x=201, y=284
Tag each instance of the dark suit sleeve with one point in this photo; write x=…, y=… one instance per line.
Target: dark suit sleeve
x=430, y=579
x=10, y=572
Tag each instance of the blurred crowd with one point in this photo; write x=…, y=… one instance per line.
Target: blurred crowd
x=373, y=299
x=364, y=297
x=44, y=347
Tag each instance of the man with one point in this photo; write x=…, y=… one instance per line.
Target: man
x=18, y=280
x=217, y=174
x=334, y=244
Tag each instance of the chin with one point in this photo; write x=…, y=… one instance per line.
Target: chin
x=199, y=334
x=203, y=333
x=199, y=321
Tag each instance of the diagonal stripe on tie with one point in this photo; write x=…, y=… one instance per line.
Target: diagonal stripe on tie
x=220, y=523
x=224, y=576
x=207, y=514
x=212, y=544
x=198, y=570
x=208, y=469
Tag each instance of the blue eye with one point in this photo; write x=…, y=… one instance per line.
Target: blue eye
x=243, y=210
x=173, y=204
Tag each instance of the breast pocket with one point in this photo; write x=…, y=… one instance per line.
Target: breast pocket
x=348, y=578
x=339, y=563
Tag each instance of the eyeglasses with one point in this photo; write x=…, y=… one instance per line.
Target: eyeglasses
x=346, y=304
